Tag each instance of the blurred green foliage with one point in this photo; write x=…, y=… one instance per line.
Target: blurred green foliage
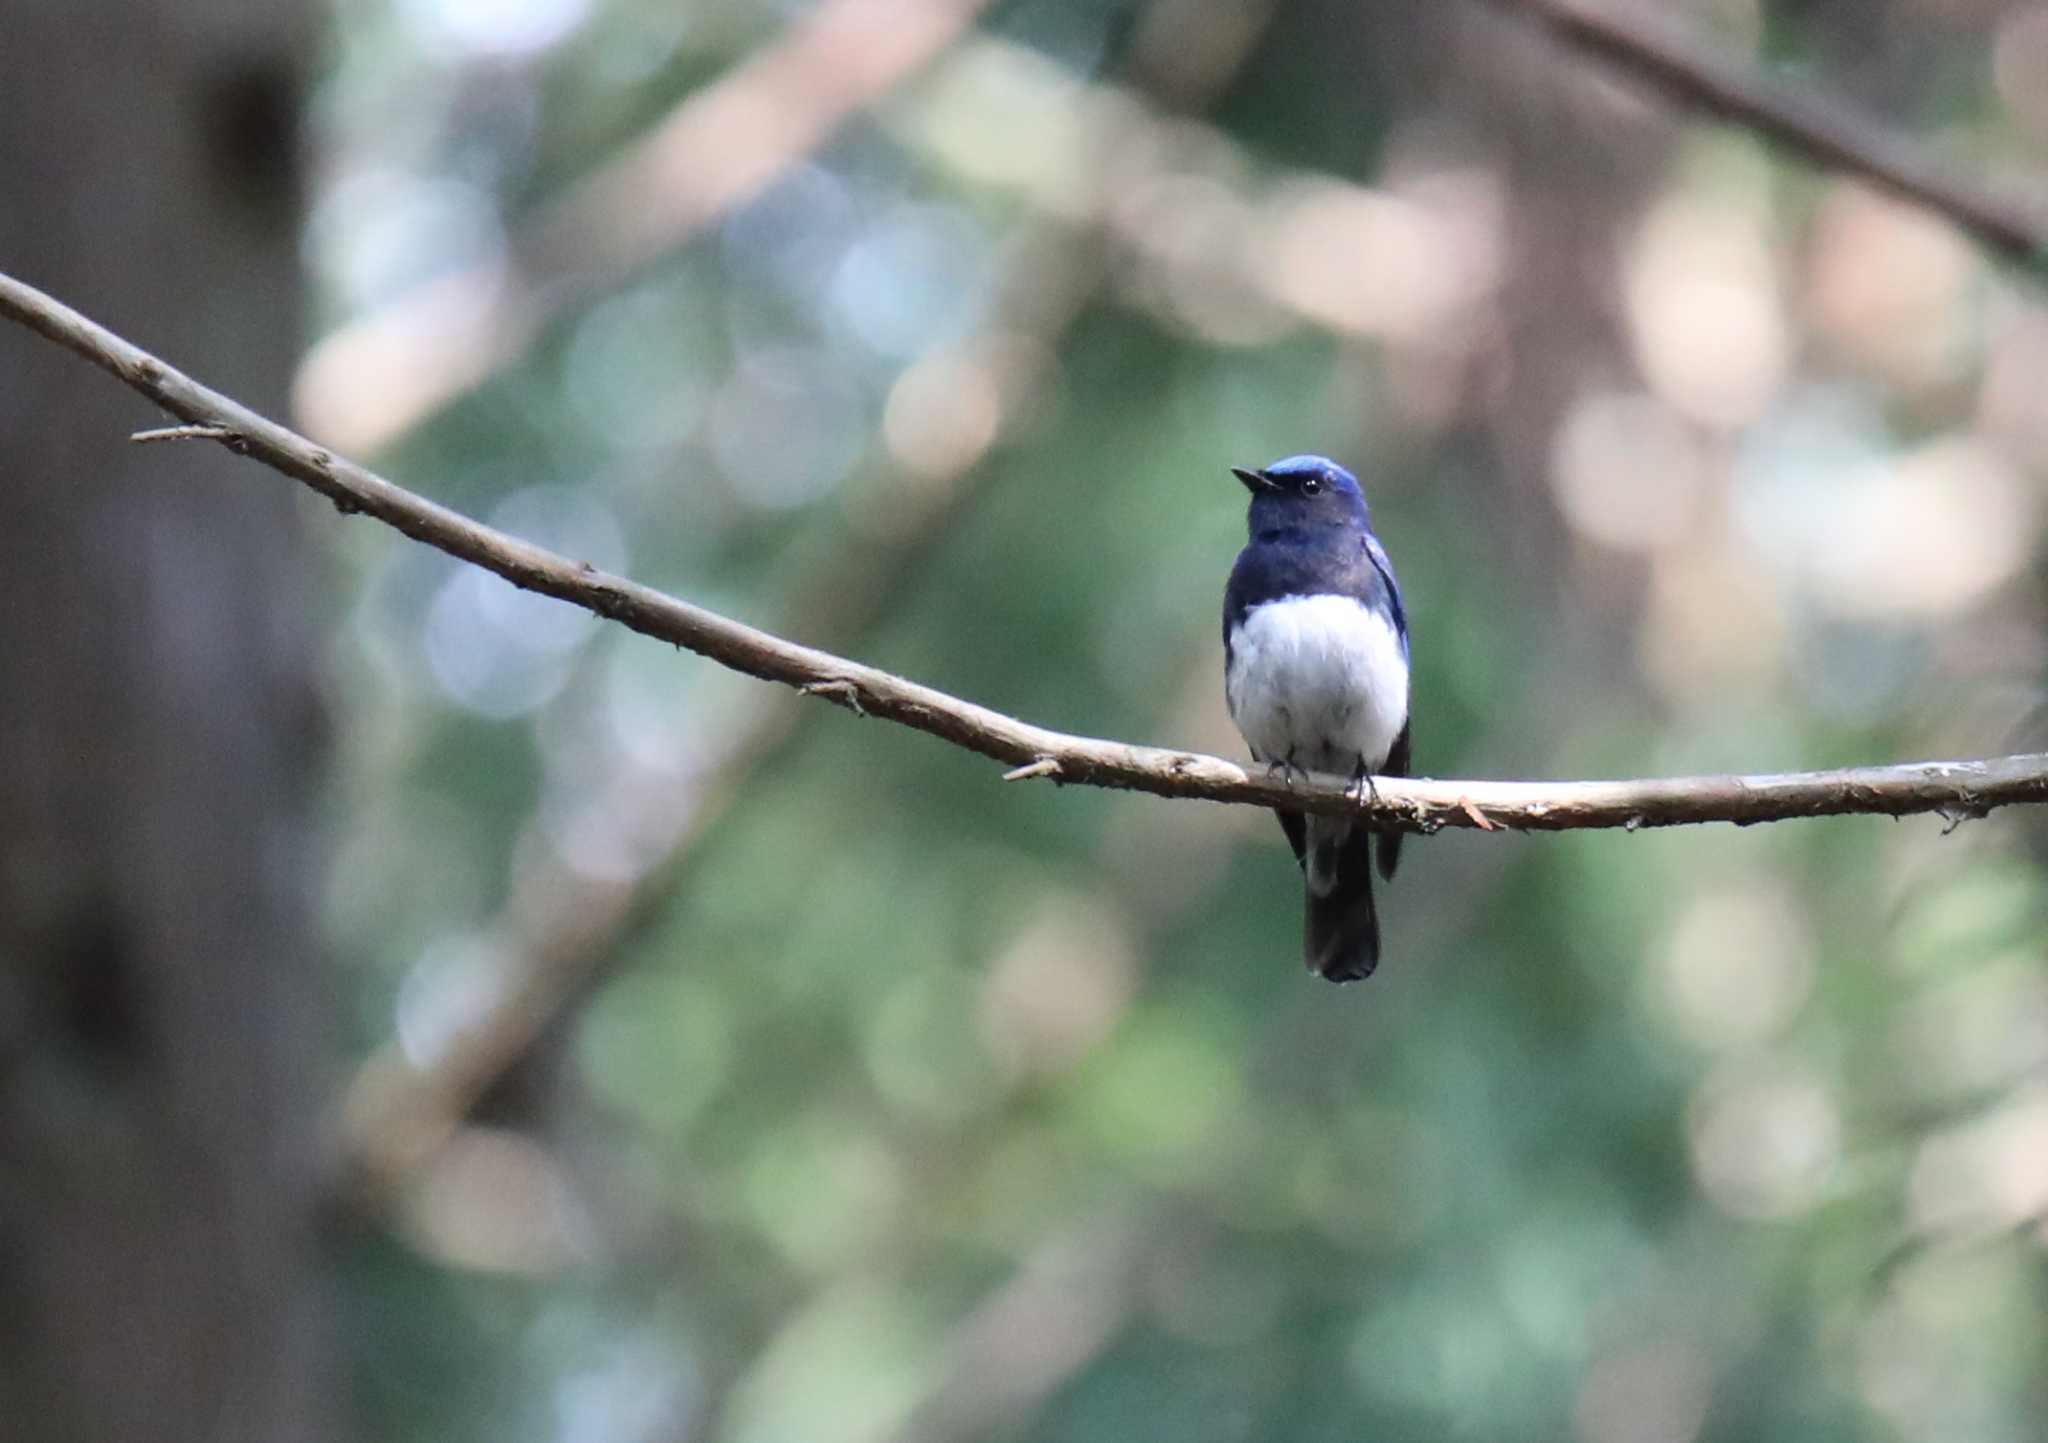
x=920, y=1106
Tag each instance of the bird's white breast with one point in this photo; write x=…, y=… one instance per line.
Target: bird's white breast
x=1318, y=680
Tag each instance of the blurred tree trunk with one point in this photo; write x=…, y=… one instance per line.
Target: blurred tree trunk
x=159, y=1009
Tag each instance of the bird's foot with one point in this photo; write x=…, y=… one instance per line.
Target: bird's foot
x=1283, y=768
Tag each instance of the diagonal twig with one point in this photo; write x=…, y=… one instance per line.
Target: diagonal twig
x=1826, y=130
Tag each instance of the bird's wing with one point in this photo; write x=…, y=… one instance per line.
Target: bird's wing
x=1384, y=566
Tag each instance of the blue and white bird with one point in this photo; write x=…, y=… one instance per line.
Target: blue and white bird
x=1315, y=647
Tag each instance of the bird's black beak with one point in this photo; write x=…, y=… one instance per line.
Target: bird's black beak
x=1254, y=481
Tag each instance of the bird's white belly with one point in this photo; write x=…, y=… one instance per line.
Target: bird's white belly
x=1320, y=681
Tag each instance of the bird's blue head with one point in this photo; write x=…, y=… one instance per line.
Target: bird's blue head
x=1303, y=493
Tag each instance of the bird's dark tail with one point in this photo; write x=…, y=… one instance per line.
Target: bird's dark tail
x=1341, y=938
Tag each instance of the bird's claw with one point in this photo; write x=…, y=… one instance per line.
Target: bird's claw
x=1287, y=770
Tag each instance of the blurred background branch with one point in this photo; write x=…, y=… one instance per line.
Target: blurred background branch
x=719, y=147
x=562, y=930
x=961, y=400
x=1796, y=113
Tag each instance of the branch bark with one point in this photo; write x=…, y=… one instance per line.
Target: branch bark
x=1824, y=130
x=1952, y=789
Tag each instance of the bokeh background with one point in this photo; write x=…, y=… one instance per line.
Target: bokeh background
x=688, y=1061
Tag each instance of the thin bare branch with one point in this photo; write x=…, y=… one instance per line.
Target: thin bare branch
x=1949, y=788
x=1825, y=130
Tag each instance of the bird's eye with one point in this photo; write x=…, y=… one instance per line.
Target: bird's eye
x=1311, y=485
